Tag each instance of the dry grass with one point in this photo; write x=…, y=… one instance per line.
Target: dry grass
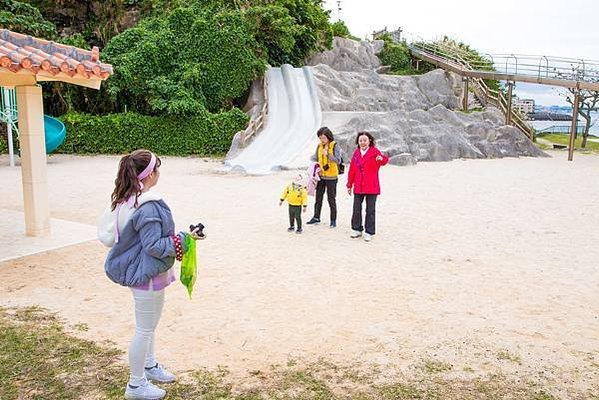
x=39, y=359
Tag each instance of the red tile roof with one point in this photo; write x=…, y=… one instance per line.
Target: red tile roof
x=18, y=51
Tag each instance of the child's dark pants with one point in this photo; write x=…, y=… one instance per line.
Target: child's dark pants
x=295, y=215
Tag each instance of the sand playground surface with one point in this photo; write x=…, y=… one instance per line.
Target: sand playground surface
x=488, y=265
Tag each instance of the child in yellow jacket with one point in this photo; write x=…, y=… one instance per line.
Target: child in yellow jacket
x=297, y=197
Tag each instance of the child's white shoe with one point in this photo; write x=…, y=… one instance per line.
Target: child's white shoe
x=367, y=237
x=158, y=374
x=145, y=391
x=355, y=234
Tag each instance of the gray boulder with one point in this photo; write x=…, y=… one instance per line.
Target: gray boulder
x=416, y=116
x=403, y=159
x=349, y=55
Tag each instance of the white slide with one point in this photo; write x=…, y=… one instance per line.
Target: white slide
x=294, y=116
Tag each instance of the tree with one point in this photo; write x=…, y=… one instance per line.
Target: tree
x=587, y=103
x=191, y=60
x=340, y=29
x=588, y=100
x=310, y=30
x=24, y=18
x=397, y=56
x=274, y=29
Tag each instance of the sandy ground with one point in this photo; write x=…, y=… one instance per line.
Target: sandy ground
x=471, y=258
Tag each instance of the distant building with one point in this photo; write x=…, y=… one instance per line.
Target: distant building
x=524, y=106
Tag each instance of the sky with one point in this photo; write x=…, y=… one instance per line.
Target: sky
x=533, y=27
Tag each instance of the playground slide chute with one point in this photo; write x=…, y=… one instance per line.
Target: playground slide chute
x=55, y=133
x=54, y=130
x=294, y=116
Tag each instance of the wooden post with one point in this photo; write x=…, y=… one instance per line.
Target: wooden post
x=33, y=160
x=465, y=99
x=508, y=112
x=574, y=127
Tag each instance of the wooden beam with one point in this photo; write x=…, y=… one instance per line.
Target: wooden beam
x=62, y=77
x=508, y=112
x=466, y=94
x=574, y=126
x=12, y=79
x=25, y=77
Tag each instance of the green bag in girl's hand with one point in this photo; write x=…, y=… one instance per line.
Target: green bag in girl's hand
x=189, y=265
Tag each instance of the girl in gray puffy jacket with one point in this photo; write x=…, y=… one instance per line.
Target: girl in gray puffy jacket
x=139, y=228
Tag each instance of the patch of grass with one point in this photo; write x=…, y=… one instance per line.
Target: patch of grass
x=430, y=366
x=542, y=396
x=304, y=385
x=506, y=355
x=543, y=146
x=400, y=391
x=565, y=140
x=471, y=110
x=81, y=327
x=406, y=72
x=39, y=360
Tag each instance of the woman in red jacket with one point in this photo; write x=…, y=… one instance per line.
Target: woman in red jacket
x=364, y=178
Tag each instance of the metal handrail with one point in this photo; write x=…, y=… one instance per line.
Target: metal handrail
x=480, y=87
x=560, y=68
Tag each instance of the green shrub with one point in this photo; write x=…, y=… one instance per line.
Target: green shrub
x=340, y=29
x=191, y=60
x=3, y=145
x=202, y=135
x=290, y=30
x=396, y=55
x=24, y=18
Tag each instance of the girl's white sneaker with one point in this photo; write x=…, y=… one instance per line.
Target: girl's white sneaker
x=158, y=374
x=145, y=391
x=367, y=237
x=355, y=234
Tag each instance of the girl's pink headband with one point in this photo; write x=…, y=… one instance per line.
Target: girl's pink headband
x=143, y=175
x=149, y=169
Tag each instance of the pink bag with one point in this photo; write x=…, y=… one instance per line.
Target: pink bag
x=313, y=178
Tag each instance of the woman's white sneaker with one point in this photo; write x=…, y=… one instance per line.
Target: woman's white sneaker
x=145, y=391
x=158, y=374
x=355, y=234
x=367, y=237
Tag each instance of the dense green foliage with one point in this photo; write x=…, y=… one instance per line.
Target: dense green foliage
x=398, y=57
x=203, y=135
x=341, y=30
x=97, y=21
x=181, y=67
x=289, y=30
x=191, y=60
x=23, y=18
x=192, y=56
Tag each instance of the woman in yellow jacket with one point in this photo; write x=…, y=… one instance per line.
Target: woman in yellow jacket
x=328, y=156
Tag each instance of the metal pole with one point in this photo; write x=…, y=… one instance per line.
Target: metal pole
x=508, y=112
x=574, y=126
x=465, y=99
x=8, y=112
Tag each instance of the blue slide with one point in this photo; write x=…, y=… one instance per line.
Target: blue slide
x=55, y=133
